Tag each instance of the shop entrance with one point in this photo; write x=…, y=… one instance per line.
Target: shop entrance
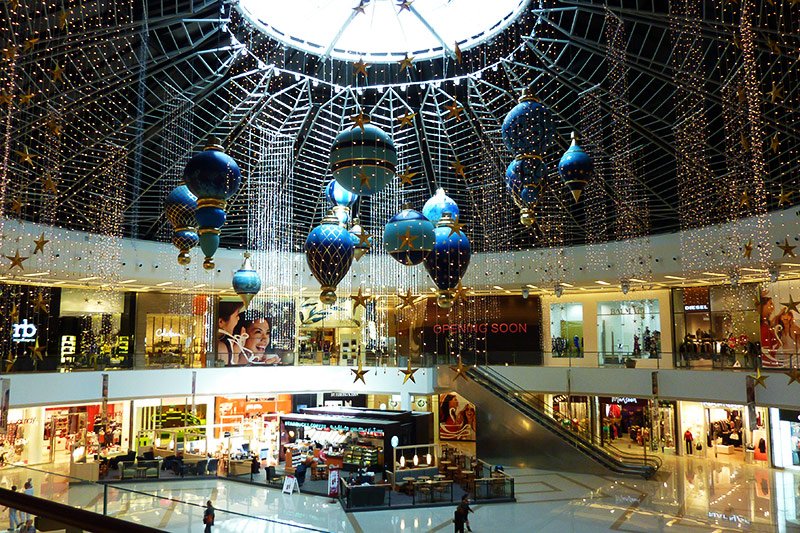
x=65, y=432
x=722, y=431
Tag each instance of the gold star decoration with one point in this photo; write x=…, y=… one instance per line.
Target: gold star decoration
x=457, y=51
x=774, y=143
x=459, y=168
x=784, y=198
x=407, y=300
x=406, y=62
x=10, y=53
x=740, y=93
x=408, y=240
x=407, y=119
x=40, y=242
x=364, y=178
x=25, y=99
x=776, y=93
x=787, y=248
x=50, y=185
x=360, y=68
x=63, y=18
x=773, y=46
x=409, y=373
x=14, y=313
x=359, y=120
x=41, y=304
x=794, y=376
x=13, y=4
x=460, y=293
x=9, y=363
x=406, y=177
x=748, y=249
x=460, y=370
x=744, y=142
x=16, y=206
x=6, y=99
x=364, y=239
x=405, y=5
x=360, y=299
x=36, y=350
x=454, y=111
x=791, y=305
x=30, y=43
x=16, y=260
x=25, y=156
x=759, y=379
x=54, y=127
x=359, y=372
x=744, y=201
x=57, y=73
x=737, y=42
x=456, y=228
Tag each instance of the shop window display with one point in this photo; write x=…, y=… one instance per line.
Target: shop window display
x=628, y=329
x=566, y=330
x=779, y=329
x=174, y=340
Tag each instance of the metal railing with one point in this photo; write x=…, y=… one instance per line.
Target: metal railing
x=530, y=405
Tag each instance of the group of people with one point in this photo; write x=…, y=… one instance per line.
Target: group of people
x=244, y=338
x=18, y=520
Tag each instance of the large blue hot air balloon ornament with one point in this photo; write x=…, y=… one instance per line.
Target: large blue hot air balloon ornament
x=180, y=206
x=438, y=204
x=246, y=282
x=363, y=158
x=409, y=237
x=575, y=168
x=213, y=177
x=449, y=260
x=341, y=201
x=527, y=132
x=329, y=254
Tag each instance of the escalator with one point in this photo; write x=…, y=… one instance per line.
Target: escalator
x=516, y=427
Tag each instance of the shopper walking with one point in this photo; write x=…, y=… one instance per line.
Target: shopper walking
x=461, y=516
x=208, y=516
x=13, y=515
x=27, y=489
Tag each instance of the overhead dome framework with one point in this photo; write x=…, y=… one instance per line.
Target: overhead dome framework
x=382, y=31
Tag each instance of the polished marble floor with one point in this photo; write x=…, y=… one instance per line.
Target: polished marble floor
x=690, y=495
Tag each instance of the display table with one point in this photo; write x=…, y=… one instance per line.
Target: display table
x=239, y=468
x=724, y=449
x=84, y=472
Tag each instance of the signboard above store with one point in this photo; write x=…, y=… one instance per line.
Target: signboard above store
x=23, y=332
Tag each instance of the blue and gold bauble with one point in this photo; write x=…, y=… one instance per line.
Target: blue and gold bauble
x=575, y=168
x=362, y=242
x=408, y=237
x=179, y=208
x=437, y=204
x=528, y=127
x=213, y=177
x=449, y=260
x=329, y=253
x=246, y=282
x=524, y=183
x=338, y=195
x=363, y=159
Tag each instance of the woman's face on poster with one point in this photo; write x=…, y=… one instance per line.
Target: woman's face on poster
x=787, y=319
x=258, y=336
x=228, y=325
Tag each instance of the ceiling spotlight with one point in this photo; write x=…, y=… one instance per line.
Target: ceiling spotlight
x=625, y=285
x=525, y=293
x=774, y=274
x=558, y=290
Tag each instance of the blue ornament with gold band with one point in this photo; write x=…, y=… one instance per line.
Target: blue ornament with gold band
x=438, y=204
x=329, y=254
x=179, y=208
x=363, y=159
x=409, y=237
x=524, y=183
x=448, y=261
x=212, y=176
x=575, y=168
x=246, y=281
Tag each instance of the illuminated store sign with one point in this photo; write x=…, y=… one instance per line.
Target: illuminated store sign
x=485, y=327
x=623, y=400
x=696, y=307
x=23, y=332
x=169, y=333
x=69, y=346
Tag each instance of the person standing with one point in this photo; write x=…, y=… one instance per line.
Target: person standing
x=461, y=516
x=27, y=489
x=208, y=516
x=688, y=438
x=13, y=515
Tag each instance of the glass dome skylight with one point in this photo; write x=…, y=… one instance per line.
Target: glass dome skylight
x=385, y=32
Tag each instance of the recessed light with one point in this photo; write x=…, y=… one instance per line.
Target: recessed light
x=127, y=281
x=570, y=285
x=498, y=287
x=674, y=277
x=164, y=284
x=90, y=278
x=37, y=274
x=601, y=282
x=714, y=274
x=531, y=286
x=637, y=280
x=200, y=285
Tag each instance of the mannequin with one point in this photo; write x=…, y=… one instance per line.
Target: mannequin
x=688, y=438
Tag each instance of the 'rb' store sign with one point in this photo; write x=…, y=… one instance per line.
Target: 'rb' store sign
x=23, y=332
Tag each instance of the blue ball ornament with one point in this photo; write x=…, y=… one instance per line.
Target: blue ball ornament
x=448, y=261
x=246, y=281
x=409, y=237
x=338, y=195
x=528, y=128
x=437, y=205
x=329, y=254
x=363, y=159
x=575, y=168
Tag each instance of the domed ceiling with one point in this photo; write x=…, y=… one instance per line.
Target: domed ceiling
x=679, y=104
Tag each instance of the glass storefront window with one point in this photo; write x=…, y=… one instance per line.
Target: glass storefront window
x=566, y=329
x=628, y=329
x=174, y=340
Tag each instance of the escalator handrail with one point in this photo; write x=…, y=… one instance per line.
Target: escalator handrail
x=616, y=462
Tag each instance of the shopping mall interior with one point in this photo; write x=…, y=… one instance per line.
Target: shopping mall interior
x=335, y=266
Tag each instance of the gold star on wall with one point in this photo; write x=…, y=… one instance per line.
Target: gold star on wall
x=54, y=127
x=748, y=249
x=408, y=240
x=406, y=177
x=460, y=370
x=409, y=373
x=50, y=186
x=407, y=300
x=759, y=379
x=456, y=228
x=364, y=178
x=744, y=201
x=773, y=46
x=57, y=73
x=16, y=206
x=14, y=313
x=63, y=18
x=459, y=168
x=787, y=248
x=776, y=93
x=359, y=120
x=360, y=299
x=25, y=156
x=359, y=372
x=41, y=304
x=40, y=242
x=29, y=44
x=791, y=305
x=25, y=99
x=6, y=99
x=405, y=5
x=774, y=143
x=16, y=260
x=794, y=376
x=10, y=53
x=407, y=119
x=37, y=351
x=360, y=68
x=406, y=62
x=454, y=111
x=784, y=198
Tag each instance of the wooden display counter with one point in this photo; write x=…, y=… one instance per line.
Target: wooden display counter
x=84, y=472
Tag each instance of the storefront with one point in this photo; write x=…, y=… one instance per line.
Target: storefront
x=331, y=335
x=566, y=329
x=724, y=431
x=628, y=329
x=172, y=330
x=785, y=438
x=626, y=418
x=244, y=426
